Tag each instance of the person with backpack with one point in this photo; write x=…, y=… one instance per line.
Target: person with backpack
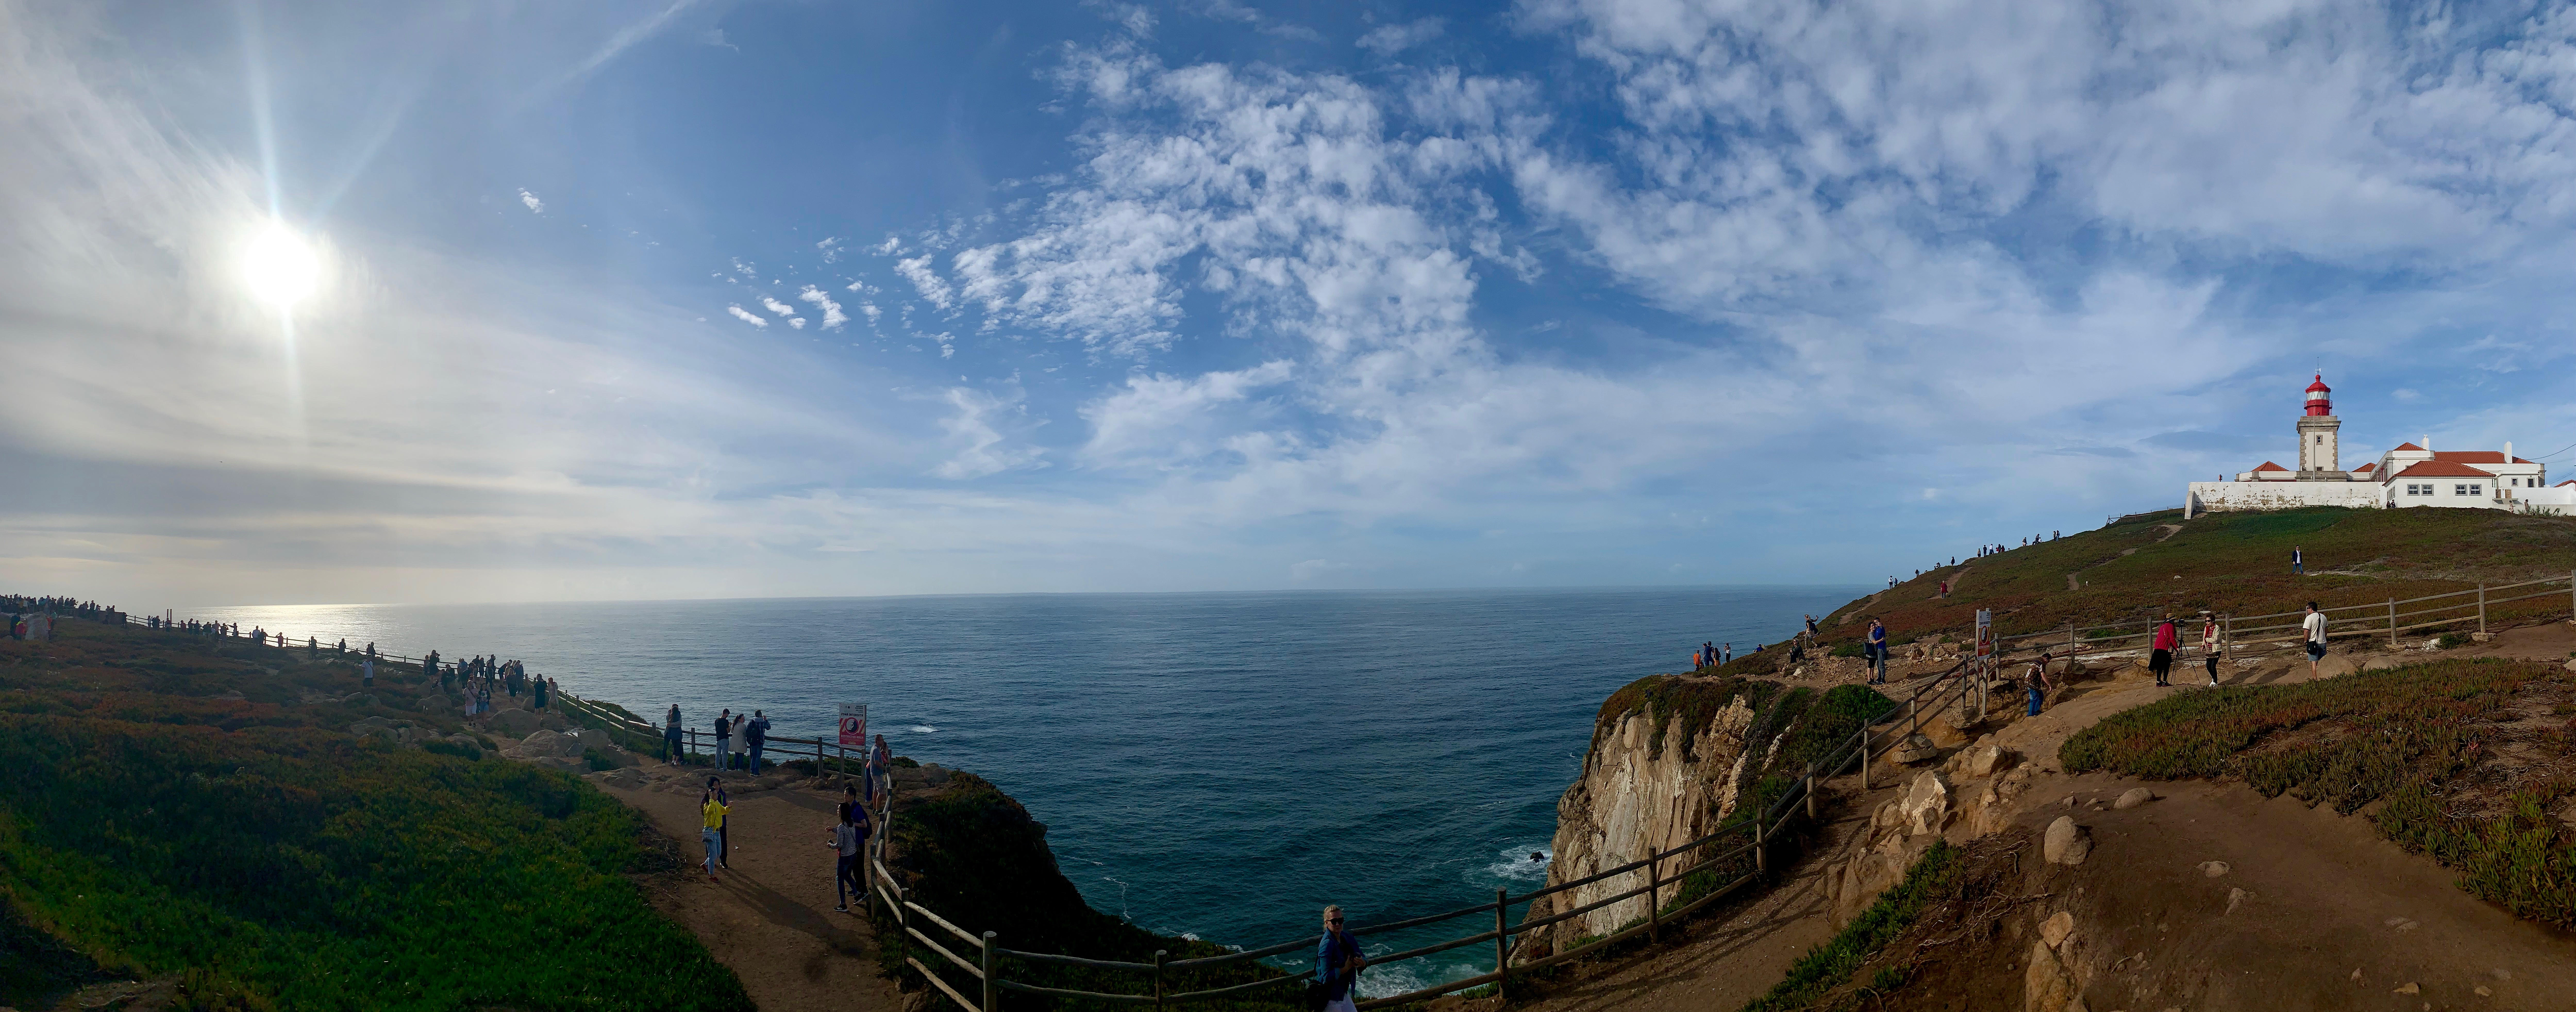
x=1337, y=967
x=2035, y=680
x=755, y=733
x=2161, y=650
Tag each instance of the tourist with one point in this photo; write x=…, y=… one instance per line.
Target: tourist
x=541, y=693
x=367, y=673
x=754, y=735
x=849, y=840
x=724, y=738
x=2161, y=650
x=1708, y=649
x=849, y=800
x=1338, y=963
x=2315, y=624
x=671, y=735
x=711, y=819
x=1797, y=651
x=724, y=838
x=1811, y=627
x=2036, y=681
x=2209, y=646
x=2298, y=562
x=1875, y=652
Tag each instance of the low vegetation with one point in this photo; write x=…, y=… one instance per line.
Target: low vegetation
x=1827, y=967
x=2466, y=761
x=195, y=808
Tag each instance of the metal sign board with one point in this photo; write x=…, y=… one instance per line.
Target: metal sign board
x=1985, y=633
x=854, y=724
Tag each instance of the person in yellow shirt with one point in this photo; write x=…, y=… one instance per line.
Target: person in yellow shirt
x=711, y=818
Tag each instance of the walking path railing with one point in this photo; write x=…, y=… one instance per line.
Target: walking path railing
x=2388, y=618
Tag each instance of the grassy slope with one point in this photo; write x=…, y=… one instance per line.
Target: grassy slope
x=277, y=861
x=2467, y=761
x=2235, y=563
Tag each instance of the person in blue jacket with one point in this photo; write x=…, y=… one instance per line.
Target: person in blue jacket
x=1877, y=653
x=1337, y=963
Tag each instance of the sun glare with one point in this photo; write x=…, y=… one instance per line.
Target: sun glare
x=279, y=268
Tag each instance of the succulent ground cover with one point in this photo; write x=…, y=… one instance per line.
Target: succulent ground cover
x=2470, y=762
x=196, y=807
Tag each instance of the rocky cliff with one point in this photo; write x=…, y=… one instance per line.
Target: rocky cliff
x=1672, y=759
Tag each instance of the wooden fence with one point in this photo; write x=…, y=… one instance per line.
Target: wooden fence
x=2390, y=618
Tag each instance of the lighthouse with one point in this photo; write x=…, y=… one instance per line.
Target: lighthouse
x=2318, y=457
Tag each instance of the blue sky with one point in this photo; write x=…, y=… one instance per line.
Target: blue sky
x=739, y=299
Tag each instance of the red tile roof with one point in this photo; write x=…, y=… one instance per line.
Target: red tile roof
x=2440, y=469
x=2367, y=467
x=2470, y=456
x=2564, y=484
x=2519, y=460
x=2403, y=447
x=2270, y=466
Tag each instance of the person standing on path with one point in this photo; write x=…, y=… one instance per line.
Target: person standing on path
x=2036, y=681
x=541, y=693
x=2315, y=625
x=671, y=735
x=711, y=817
x=2161, y=650
x=1811, y=627
x=2209, y=647
x=754, y=735
x=1338, y=963
x=724, y=738
x=1877, y=651
x=367, y=673
x=2298, y=562
x=724, y=843
x=850, y=840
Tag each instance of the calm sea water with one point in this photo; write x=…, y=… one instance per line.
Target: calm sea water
x=1218, y=765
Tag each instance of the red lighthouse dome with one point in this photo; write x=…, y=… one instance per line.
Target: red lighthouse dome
x=2320, y=401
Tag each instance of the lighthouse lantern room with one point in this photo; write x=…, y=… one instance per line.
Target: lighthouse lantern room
x=2319, y=457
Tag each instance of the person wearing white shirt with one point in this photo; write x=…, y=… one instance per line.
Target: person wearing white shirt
x=2315, y=624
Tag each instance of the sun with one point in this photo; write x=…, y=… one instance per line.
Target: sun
x=279, y=267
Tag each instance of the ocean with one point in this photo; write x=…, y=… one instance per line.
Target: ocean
x=1213, y=765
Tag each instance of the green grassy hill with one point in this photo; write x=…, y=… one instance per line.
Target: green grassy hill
x=2231, y=563
x=197, y=807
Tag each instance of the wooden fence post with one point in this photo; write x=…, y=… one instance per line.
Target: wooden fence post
x=1811, y=790
x=1863, y=734
x=1158, y=977
x=1761, y=855
x=2392, y=622
x=2482, y=607
x=992, y=992
x=1502, y=948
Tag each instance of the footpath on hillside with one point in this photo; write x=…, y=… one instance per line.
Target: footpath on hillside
x=2213, y=883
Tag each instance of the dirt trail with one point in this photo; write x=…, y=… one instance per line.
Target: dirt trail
x=2302, y=868
x=770, y=916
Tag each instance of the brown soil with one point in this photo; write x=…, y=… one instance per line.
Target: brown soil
x=769, y=917
x=2331, y=916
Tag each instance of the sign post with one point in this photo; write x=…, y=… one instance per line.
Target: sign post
x=1985, y=659
x=854, y=731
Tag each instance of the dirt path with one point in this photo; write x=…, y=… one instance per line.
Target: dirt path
x=770, y=916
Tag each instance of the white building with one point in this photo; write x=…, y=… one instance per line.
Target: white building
x=2409, y=475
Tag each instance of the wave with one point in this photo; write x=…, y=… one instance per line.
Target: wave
x=922, y=729
x=1515, y=864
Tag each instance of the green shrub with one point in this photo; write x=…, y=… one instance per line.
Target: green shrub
x=598, y=763
x=2451, y=640
x=1847, y=650
x=1827, y=966
x=460, y=750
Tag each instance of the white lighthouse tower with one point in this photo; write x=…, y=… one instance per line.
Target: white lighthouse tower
x=2319, y=459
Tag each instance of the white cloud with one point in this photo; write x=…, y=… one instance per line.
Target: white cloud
x=979, y=448
x=796, y=322
x=747, y=316
x=892, y=245
x=932, y=288
x=833, y=318
x=530, y=199
x=1388, y=40
x=775, y=306
x=830, y=248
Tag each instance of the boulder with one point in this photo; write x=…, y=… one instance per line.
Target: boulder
x=359, y=699
x=1983, y=759
x=2335, y=666
x=592, y=737
x=549, y=743
x=2214, y=869
x=2046, y=986
x=622, y=779
x=1926, y=805
x=2066, y=842
x=2054, y=930
x=515, y=723
x=2133, y=797
x=1916, y=748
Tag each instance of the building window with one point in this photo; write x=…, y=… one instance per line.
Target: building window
x=2466, y=489
x=2419, y=490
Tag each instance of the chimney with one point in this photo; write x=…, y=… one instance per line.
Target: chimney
x=2428, y=444
x=2508, y=451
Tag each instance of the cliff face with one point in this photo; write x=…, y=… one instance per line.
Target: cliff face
x=1672, y=759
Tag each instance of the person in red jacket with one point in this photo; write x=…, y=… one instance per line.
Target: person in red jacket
x=2167, y=639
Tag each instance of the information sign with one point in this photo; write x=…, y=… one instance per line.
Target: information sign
x=854, y=724
x=1985, y=633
